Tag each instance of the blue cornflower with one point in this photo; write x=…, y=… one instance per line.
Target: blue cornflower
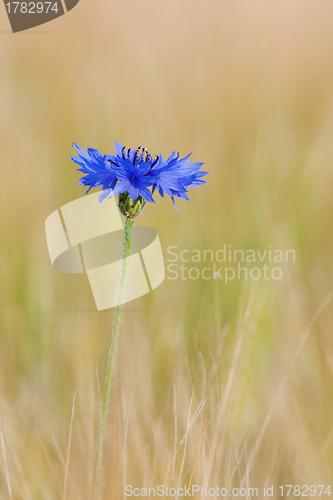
x=130, y=173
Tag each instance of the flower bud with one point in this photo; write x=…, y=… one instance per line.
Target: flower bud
x=129, y=208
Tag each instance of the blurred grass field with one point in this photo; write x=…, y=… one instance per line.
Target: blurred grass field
x=215, y=383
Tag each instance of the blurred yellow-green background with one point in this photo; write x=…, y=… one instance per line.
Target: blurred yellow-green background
x=215, y=383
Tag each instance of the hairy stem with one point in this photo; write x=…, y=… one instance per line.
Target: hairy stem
x=128, y=233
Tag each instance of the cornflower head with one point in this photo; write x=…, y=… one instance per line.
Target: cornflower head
x=134, y=174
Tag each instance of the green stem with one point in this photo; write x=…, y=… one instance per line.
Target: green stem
x=128, y=233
